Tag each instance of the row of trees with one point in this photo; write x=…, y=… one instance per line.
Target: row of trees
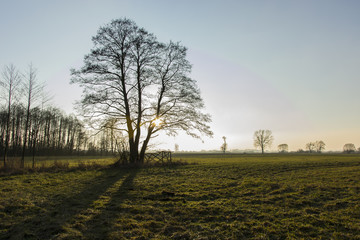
x=310, y=147
x=29, y=126
x=318, y=147
x=17, y=87
x=48, y=131
x=263, y=139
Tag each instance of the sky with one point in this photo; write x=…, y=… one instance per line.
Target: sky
x=289, y=66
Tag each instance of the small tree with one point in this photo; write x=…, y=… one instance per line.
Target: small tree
x=349, y=148
x=283, y=148
x=319, y=146
x=310, y=147
x=176, y=147
x=224, y=145
x=263, y=139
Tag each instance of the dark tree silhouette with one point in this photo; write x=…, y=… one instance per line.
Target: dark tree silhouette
x=33, y=90
x=319, y=146
x=310, y=147
x=141, y=83
x=224, y=145
x=10, y=84
x=349, y=148
x=263, y=139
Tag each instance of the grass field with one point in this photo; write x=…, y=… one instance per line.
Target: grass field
x=213, y=197
x=68, y=161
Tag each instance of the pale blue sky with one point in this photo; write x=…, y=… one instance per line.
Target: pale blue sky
x=289, y=66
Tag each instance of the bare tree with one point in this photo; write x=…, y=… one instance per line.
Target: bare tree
x=349, y=148
x=33, y=90
x=319, y=146
x=224, y=145
x=142, y=83
x=10, y=86
x=263, y=139
x=310, y=147
x=283, y=148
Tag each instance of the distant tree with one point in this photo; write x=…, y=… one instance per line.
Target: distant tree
x=224, y=145
x=283, y=148
x=176, y=147
x=300, y=150
x=349, y=148
x=319, y=146
x=145, y=84
x=263, y=139
x=310, y=147
x=10, y=84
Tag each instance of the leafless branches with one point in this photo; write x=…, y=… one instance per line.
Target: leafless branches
x=133, y=78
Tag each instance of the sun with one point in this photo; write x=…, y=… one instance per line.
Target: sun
x=157, y=122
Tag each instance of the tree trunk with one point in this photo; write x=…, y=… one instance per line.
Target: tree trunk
x=25, y=137
x=145, y=144
x=7, y=137
x=143, y=151
x=134, y=154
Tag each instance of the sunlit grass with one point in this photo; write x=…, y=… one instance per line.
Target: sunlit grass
x=69, y=161
x=219, y=197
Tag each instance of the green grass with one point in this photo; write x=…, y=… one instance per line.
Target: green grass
x=219, y=197
x=45, y=162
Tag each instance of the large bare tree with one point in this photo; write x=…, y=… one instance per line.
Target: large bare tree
x=142, y=84
x=263, y=139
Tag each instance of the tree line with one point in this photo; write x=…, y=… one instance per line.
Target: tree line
x=29, y=126
x=264, y=138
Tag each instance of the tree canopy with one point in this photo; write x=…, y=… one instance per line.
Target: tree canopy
x=349, y=148
x=283, y=148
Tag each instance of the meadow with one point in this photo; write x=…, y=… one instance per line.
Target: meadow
x=211, y=197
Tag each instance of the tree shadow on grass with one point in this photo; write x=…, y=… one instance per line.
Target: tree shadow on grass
x=57, y=218
x=127, y=214
x=102, y=222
